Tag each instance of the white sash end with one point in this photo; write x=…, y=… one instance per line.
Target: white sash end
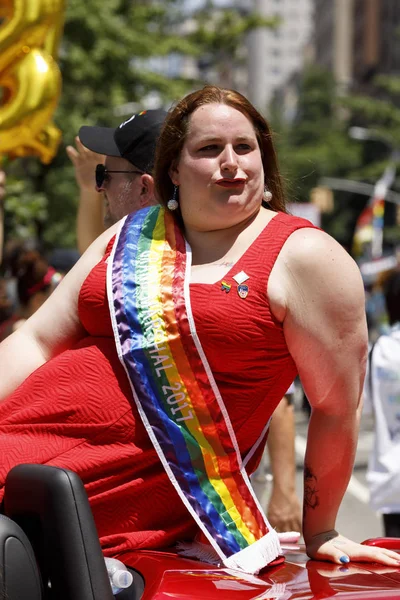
x=256, y=556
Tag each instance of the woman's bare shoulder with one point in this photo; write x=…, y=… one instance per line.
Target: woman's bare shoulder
x=313, y=266
x=308, y=251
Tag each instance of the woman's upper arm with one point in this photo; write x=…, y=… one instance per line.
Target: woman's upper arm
x=55, y=326
x=317, y=292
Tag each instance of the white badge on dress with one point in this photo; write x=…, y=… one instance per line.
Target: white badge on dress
x=241, y=277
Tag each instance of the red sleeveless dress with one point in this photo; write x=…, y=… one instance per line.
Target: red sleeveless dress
x=76, y=411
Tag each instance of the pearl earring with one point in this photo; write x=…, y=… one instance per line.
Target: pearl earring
x=267, y=195
x=173, y=203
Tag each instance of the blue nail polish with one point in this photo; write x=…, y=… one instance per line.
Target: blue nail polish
x=344, y=559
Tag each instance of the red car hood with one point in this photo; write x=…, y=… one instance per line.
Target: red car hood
x=168, y=576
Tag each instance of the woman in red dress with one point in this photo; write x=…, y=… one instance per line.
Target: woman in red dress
x=67, y=400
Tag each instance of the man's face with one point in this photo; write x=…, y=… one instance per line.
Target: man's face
x=121, y=190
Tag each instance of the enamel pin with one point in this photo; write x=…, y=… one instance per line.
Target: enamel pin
x=225, y=287
x=243, y=290
x=241, y=277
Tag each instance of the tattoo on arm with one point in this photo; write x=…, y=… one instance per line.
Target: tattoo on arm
x=311, y=499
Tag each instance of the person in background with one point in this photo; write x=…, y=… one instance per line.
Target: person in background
x=62, y=259
x=284, y=509
x=113, y=169
x=35, y=281
x=2, y=196
x=90, y=214
x=5, y=302
x=130, y=145
x=382, y=399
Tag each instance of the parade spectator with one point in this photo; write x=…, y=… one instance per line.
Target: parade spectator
x=5, y=302
x=2, y=196
x=35, y=281
x=284, y=509
x=90, y=214
x=382, y=399
x=63, y=259
x=113, y=170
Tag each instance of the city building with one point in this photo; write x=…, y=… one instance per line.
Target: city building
x=357, y=39
x=268, y=58
x=274, y=55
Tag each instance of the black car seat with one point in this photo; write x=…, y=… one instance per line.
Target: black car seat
x=19, y=574
x=50, y=505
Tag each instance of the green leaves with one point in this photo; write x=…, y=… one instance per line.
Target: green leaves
x=100, y=47
x=104, y=60
x=317, y=144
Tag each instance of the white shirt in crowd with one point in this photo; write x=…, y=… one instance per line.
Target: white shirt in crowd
x=382, y=398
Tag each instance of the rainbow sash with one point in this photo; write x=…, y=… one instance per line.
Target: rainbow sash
x=175, y=391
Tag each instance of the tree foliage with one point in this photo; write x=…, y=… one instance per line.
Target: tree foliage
x=104, y=59
x=317, y=144
x=99, y=43
x=379, y=113
x=220, y=33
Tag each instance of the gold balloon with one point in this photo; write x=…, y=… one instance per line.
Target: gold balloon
x=30, y=33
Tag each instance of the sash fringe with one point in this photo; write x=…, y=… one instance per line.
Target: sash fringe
x=256, y=556
x=250, y=560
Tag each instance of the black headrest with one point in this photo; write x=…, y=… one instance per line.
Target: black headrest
x=51, y=506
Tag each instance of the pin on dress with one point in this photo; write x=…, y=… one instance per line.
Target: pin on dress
x=242, y=288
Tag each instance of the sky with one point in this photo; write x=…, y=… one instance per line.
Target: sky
x=194, y=4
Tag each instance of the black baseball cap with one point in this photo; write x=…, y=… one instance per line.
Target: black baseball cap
x=135, y=139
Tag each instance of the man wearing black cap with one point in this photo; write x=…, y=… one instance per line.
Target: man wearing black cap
x=124, y=180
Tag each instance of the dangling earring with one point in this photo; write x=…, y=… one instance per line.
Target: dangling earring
x=267, y=194
x=173, y=203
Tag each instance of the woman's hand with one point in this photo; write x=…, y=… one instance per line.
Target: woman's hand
x=336, y=548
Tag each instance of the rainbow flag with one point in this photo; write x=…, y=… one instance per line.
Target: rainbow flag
x=175, y=391
x=369, y=226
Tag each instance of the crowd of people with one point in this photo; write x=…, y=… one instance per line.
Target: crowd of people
x=155, y=365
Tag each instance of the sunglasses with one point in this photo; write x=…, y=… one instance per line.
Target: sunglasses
x=101, y=174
